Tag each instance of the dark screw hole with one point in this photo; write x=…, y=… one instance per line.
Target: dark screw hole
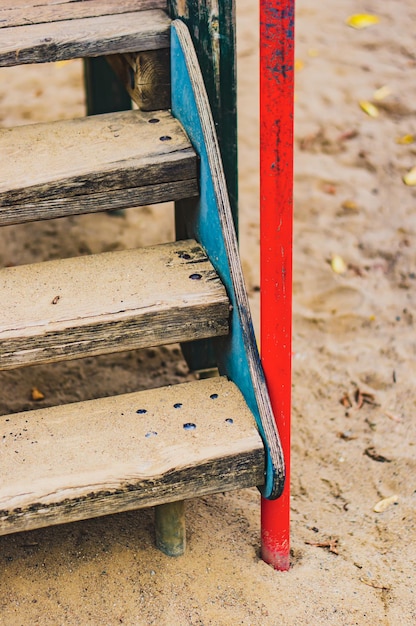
x=165, y=138
x=229, y=420
x=141, y=411
x=154, y=120
x=177, y=405
x=195, y=276
x=151, y=433
x=189, y=426
x=184, y=255
x=214, y=396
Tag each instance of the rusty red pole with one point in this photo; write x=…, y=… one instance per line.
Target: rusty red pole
x=276, y=224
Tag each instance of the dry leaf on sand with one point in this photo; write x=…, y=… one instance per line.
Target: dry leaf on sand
x=362, y=20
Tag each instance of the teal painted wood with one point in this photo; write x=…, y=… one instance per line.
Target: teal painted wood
x=210, y=222
x=212, y=28
x=103, y=90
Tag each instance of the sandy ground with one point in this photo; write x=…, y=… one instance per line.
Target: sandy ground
x=354, y=340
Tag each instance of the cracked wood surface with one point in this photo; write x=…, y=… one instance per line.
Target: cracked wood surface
x=96, y=163
x=110, y=302
x=104, y=456
x=83, y=37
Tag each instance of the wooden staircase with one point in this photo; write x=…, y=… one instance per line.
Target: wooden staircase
x=154, y=447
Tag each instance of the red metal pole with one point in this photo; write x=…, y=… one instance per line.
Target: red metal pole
x=276, y=223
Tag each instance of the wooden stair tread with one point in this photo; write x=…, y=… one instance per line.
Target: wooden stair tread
x=109, y=302
x=82, y=35
x=91, y=164
x=28, y=12
x=103, y=456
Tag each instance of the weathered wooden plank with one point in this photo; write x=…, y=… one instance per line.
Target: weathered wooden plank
x=126, y=452
x=98, y=202
x=146, y=77
x=94, y=155
x=23, y=12
x=210, y=222
x=109, y=302
x=88, y=37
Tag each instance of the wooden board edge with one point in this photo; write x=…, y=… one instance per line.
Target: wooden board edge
x=188, y=482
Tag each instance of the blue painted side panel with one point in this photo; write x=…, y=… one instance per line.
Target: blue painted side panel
x=207, y=228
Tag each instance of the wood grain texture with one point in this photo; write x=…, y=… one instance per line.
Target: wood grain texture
x=96, y=202
x=115, y=454
x=42, y=164
x=109, y=302
x=88, y=37
x=146, y=77
x=25, y=12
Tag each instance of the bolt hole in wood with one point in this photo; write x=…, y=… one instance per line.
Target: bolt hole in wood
x=177, y=405
x=154, y=120
x=189, y=426
x=165, y=138
x=141, y=411
x=229, y=420
x=195, y=276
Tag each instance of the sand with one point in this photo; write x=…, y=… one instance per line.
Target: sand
x=354, y=349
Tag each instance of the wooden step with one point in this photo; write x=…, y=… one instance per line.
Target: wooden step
x=92, y=164
x=39, y=32
x=115, y=454
x=109, y=302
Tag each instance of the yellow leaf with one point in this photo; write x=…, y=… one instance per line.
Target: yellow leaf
x=350, y=205
x=338, y=264
x=382, y=93
x=36, y=394
x=362, y=20
x=385, y=504
x=369, y=108
x=406, y=139
x=410, y=177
